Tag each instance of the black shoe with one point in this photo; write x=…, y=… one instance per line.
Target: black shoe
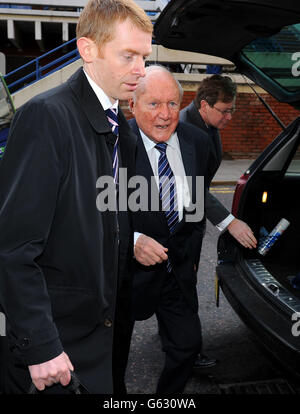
x=203, y=362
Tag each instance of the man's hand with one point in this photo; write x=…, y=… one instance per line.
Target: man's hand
x=51, y=372
x=242, y=233
x=148, y=251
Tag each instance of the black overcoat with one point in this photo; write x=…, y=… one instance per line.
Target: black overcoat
x=59, y=255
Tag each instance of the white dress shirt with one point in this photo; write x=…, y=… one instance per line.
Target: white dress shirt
x=175, y=160
x=101, y=95
x=225, y=223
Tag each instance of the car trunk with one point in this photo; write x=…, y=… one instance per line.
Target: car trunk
x=259, y=287
x=276, y=173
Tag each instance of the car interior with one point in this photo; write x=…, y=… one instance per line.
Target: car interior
x=272, y=193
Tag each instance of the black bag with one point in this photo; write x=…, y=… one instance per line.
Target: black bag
x=74, y=386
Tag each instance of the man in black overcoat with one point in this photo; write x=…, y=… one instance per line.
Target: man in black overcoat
x=64, y=257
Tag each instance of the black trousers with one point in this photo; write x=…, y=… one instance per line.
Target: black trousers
x=123, y=328
x=180, y=333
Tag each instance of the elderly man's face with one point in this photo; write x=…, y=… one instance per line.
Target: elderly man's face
x=156, y=110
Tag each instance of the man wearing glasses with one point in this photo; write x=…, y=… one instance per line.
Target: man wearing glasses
x=211, y=110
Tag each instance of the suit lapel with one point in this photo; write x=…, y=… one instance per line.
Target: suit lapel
x=143, y=168
x=127, y=144
x=187, y=155
x=89, y=102
x=213, y=133
x=217, y=144
x=195, y=117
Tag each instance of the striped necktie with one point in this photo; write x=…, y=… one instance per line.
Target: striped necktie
x=167, y=190
x=113, y=121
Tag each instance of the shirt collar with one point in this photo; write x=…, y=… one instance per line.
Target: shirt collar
x=149, y=144
x=101, y=95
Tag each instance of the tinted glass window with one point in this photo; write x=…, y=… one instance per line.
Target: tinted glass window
x=278, y=56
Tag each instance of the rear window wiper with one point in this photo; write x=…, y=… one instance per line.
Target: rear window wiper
x=277, y=119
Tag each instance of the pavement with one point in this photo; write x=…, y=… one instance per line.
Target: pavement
x=230, y=171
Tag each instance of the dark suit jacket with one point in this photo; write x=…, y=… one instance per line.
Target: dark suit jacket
x=185, y=243
x=215, y=210
x=59, y=254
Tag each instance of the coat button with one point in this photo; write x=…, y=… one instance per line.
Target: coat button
x=25, y=342
x=108, y=323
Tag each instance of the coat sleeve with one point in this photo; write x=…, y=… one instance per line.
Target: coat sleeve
x=215, y=210
x=196, y=240
x=29, y=184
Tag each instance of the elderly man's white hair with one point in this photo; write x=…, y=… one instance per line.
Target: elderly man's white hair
x=153, y=69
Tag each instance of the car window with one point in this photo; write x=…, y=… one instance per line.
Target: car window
x=294, y=167
x=6, y=114
x=278, y=56
x=280, y=156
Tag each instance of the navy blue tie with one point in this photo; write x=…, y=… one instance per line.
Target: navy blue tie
x=167, y=190
x=113, y=121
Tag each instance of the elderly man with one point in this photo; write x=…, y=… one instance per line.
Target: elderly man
x=167, y=243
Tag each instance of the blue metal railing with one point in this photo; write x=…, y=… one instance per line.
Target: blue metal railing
x=17, y=80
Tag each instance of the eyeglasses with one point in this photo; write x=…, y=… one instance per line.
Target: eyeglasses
x=225, y=111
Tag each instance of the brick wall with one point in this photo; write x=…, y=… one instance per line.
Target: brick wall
x=252, y=127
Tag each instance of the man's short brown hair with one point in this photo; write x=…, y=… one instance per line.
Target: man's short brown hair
x=98, y=18
x=215, y=88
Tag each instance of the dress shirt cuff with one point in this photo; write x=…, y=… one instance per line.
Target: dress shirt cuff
x=225, y=223
x=136, y=235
